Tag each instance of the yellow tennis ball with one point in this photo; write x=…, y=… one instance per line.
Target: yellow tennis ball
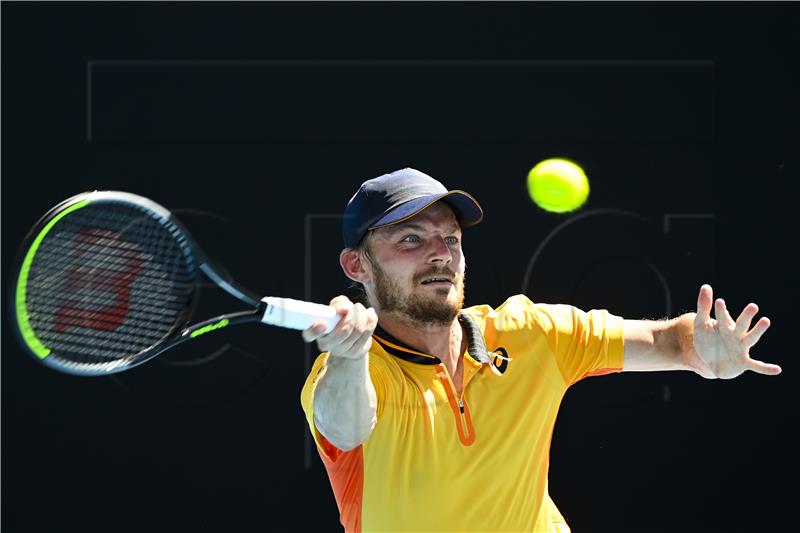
x=558, y=185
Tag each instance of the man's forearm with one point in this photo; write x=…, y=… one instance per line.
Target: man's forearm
x=345, y=402
x=658, y=345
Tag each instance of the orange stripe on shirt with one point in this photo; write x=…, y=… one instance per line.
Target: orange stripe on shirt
x=346, y=473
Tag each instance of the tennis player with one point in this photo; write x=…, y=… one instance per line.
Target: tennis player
x=430, y=417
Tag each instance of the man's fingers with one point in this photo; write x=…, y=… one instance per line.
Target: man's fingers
x=704, y=299
x=349, y=335
x=314, y=332
x=755, y=334
x=763, y=368
x=722, y=315
x=745, y=319
x=358, y=346
x=344, y=307
x=363, y=343
x=358, y=323
x=341, y=332
x=342, y=304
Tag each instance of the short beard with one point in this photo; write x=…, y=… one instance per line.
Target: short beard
x=416, y=309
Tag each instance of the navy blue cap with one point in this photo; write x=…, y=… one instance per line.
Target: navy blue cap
x=400, y=195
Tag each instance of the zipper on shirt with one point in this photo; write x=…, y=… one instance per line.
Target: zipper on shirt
x=463, y=419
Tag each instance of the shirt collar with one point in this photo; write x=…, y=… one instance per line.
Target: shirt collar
x=476, y=346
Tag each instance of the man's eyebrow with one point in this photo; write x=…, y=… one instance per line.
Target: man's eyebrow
x=394, y=228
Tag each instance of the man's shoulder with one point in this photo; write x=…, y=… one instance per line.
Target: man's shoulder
x=516, y=312
x=517, y=304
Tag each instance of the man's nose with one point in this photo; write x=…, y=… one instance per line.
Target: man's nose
x=440, y=252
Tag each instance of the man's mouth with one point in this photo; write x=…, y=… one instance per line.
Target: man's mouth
x=437, y=280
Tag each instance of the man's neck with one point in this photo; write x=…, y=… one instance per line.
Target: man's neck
x=447, y=342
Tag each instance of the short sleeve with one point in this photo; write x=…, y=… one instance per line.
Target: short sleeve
x=584, y=343
x=377, y=377
x=307, y=402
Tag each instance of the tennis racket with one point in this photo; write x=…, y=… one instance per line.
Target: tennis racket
x=107, y=280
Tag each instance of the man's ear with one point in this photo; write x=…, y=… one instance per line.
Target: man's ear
x=353, y=265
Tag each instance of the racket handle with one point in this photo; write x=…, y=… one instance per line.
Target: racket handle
x=297, y=314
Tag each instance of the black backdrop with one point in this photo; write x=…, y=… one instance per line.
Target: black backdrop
x=257, y=121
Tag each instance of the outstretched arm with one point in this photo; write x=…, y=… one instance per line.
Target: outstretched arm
x=345, y=401
x=712, y=347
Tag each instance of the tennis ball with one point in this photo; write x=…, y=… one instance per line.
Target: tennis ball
x=558, y=185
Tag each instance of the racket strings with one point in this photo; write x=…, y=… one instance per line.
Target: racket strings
x=116, y=251
x=109, y=271
x=107, y=282
x=144, y=319
x=76, y=347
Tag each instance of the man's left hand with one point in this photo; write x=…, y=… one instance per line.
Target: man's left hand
x=722, y=346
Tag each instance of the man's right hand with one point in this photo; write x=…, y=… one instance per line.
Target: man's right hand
x=352, y=336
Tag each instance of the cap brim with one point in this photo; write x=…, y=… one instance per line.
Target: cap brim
x=466, y=208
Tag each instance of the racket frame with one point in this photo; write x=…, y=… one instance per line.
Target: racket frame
x=181, y=332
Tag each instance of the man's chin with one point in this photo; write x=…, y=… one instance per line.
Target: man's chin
x=438, y=308
x=439, y=299
x=439, y=291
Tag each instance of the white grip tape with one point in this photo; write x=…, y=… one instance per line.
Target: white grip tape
x=297, y=314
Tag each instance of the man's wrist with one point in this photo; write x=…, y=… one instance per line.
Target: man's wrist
x=685, y=333
x=339, y=360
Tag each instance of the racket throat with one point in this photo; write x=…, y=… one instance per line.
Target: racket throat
x=229, y=286
x=219, y=322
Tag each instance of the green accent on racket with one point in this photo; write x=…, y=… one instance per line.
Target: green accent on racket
x=28, y=334
x=211, y=327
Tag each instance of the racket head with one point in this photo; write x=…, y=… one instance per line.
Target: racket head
x=104, y=281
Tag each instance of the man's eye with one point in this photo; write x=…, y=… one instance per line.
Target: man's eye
x=411, y=238
x=451, y=240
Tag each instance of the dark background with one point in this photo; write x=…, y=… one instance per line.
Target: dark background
x=256, y=122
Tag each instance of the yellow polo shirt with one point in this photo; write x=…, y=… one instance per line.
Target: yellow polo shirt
x=438, y=463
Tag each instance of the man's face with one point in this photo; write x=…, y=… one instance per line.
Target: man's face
x=418, y=267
